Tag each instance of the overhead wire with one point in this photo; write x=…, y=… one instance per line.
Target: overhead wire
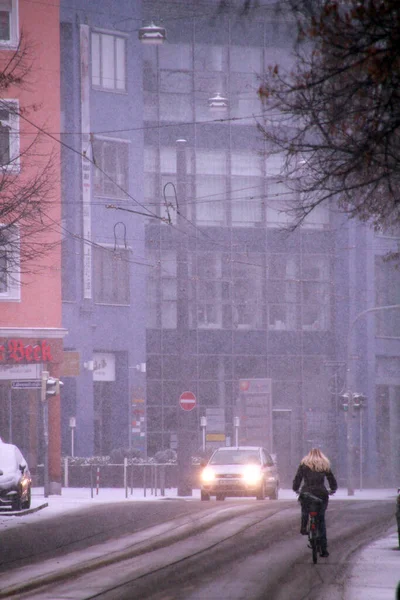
x=81, y=154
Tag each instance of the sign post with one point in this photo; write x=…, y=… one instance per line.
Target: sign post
x=187, y=402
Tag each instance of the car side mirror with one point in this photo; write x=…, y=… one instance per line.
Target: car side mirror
x=22, y=468
x=1, y=472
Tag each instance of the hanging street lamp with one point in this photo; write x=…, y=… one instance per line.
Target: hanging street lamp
x=152, y=34
x=218, y=103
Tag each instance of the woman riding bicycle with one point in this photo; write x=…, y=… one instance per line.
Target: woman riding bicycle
x=313, y=469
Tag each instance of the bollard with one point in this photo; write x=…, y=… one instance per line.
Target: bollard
x=91, y=481
x=144, y=481
x=126, y=476
x=66, y=471
x=162, y=480
x=97, y=481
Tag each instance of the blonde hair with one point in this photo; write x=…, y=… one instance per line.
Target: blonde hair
x=316, y=460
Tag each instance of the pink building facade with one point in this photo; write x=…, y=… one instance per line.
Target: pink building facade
x=31, y=335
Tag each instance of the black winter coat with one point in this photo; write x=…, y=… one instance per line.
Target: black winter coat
x=314, y=482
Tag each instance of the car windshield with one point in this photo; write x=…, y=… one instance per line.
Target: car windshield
x=236, y=457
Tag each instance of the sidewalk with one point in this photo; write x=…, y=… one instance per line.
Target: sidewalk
x=375, y=574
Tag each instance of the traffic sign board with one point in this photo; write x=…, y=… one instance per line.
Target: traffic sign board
x=26, y=384
x=187, y=400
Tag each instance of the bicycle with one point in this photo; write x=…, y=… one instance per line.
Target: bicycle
x=313, y=505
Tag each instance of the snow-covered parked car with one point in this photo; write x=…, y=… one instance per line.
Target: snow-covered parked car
x=15, y=479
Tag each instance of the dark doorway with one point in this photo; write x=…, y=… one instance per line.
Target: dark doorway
x=282, y=444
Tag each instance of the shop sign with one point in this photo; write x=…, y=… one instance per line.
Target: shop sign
x=16, y=351
x=70, y=366
x=104, y=366
x=20, y=371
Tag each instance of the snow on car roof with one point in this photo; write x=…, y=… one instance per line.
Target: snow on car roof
x=10, y=455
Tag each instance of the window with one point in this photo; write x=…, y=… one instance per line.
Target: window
x=161, y=290
x=283, y=292
x=243, y=97
x=210, y=58
x=175, y=107
x=168, y=191
x=247, y=191
x=177, y=57
x=316, y=293
x=9, y=136
x=8, y=22
x=318, y=217
x=211, y=187
x=279, y=211
x=387, y=282
x=206, y=306
x=168, y=290
x=247, y=305
x=111, y=275
x=10, y=287
x=108, y=62
x=111, y=158
x=246, y=59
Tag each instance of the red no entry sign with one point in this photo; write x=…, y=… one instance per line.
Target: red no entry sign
x=187, y=400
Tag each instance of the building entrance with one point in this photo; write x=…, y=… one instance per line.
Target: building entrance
x=282, y=444
x=21, y=423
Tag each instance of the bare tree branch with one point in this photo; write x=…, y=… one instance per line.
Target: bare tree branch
x=27, y=176
x=336, y=115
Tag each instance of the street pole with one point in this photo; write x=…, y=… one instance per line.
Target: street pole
x=203, y=425
x=72, y=424
x=45, y=411
x=361, y=448
x=236, y=424
x=185, y=434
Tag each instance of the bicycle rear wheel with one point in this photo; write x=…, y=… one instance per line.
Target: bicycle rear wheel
x=314, y=548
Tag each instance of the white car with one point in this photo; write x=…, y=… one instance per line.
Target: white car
x=240, y=471
x=15, y=479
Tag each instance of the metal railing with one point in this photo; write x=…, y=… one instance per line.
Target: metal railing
x=150, y=477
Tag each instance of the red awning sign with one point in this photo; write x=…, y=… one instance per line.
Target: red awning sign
x=187, y=400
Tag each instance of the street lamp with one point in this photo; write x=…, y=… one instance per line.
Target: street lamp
x=218, y=103
x=152, y=35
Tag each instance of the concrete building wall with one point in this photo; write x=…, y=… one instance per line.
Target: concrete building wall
x=106, y=323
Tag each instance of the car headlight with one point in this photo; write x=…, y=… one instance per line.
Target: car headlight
x=252, y=474
x=207, y=475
